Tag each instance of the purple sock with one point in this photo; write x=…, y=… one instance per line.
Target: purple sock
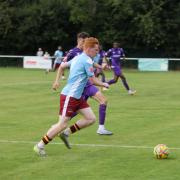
x=102, y=113
x=103, y=78
x=112, y=81
x=125, y=84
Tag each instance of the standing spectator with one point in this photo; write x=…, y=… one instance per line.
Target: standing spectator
x=40, y=52
x=46, y=55
x=116, y=53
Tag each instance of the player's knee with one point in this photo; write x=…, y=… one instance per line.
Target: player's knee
x=100, y=98
x=122, y=77
x=116, y=79
x=62, y=125
x=103, y=100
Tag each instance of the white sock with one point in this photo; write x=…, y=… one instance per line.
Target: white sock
x=67, y=131
x=41, y=144
x=101, y=126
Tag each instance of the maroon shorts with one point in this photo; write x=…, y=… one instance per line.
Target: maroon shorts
x=69, y=105
x=56, y=66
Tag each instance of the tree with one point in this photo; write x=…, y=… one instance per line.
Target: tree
x=140, y=26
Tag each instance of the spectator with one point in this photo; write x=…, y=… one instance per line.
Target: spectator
x=40, y=52
x=46, y=55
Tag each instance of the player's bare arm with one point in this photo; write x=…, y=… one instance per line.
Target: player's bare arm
x=97, y=82
x=96, y=65
x=61, y=68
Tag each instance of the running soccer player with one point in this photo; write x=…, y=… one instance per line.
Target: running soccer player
x=90, y=89
x=81, y=69
x=78, y=49
x=58, y=54
x=115, y=54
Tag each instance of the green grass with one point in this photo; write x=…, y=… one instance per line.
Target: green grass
x=28, y=107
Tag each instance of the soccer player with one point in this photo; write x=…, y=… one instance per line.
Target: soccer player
x=78, y=49
x=101, y=60
x=116, y=53
x=58, y=54
x=90, y=89
x=81, y=69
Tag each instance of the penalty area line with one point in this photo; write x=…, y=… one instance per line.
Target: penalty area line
x=87, y=145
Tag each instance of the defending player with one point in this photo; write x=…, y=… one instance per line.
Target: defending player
x=81, y=69
x=90, y=89
x=116, y=53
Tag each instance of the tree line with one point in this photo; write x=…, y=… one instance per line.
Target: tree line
x=149, y=28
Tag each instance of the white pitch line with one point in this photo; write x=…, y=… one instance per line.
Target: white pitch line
x=86, y=145
x=25, y=83
x=83, y=145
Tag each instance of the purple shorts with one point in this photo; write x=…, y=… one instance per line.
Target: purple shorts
x=117, y=70
x=89, y=91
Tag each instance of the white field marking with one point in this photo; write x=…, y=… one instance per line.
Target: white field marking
x=26, y=83
x=86, y=145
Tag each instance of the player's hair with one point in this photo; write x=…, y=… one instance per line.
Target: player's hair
x=116, y=44
x=90, y=42
x=82, y=35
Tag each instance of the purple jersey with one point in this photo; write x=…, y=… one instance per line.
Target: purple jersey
x=102, y=55
x=72, y=53
x=115, y=54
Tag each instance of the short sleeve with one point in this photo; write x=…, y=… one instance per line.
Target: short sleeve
x=69, y=63
x=89, y=67
x=70, y=55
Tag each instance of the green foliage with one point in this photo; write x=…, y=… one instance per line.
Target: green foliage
x=139, y=25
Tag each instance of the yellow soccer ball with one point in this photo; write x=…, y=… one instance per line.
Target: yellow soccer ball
x=161, y=151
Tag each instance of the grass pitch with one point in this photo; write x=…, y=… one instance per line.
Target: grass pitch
x=28, y=107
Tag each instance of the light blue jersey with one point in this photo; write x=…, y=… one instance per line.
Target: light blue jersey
x=58, y=55
x=96, y=59
x=81, y=68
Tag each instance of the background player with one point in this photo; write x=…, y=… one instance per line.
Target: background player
x=58, y=54
x=101, y=60
x=115, y=54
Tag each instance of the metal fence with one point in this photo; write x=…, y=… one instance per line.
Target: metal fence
x=17, y=61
